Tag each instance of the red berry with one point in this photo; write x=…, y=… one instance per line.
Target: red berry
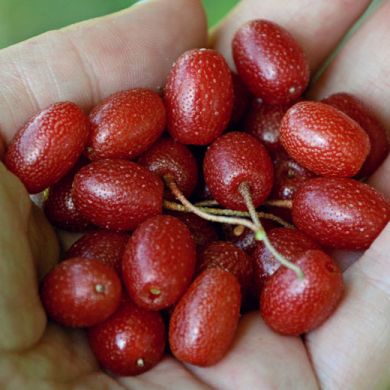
x=233, y=159
x=47, y=146
x=241, y=99
x=198, y=97
x=295, y=306
x=263, y=122
x=270, y=62
x=81, y=292
x=130, y=342
x=117, y=194
x=108, y=247
x=241, y=237
x=324, y=140
x=204, y=322
x=340, y=213
x=159, y=262
x=290, y=243
x=60, y=209
x=289, y=176
x=359, y=112
x=202, y=231
x=170, y=158
x=125, y=124
x=222, y=254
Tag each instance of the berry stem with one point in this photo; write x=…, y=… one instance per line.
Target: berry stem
x=280, y=203
x=226, y=212
x=261, y=235
x=206, y=203
x=199, y=211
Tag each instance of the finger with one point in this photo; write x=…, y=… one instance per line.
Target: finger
x=260, y=359
x=22, y=318
x=88, y=61
x=352, y=349
x=317, y=25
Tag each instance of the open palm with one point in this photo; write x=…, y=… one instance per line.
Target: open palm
x=135, y=48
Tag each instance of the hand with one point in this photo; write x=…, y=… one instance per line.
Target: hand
x=136, y=47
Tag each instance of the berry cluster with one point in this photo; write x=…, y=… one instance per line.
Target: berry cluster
x=251, y=228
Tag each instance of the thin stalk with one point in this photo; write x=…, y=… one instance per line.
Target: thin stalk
x=280, y=203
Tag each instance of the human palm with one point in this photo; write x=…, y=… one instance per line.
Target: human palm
x=136, y=47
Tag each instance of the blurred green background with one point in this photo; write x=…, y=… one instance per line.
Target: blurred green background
x=22, y=19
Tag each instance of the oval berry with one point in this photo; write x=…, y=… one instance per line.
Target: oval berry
x=295, y=306
x=233, y=159
x=130, y=342
x=108, y=247
x=263, y=122
x=290, y=243
x=340, y=213
x=289, y=176
x=170, y=158
x=360, y=113
x=81, y=292
x=60, y=209
x=117, y=194
x=222, y=254
x=125, y=124
x=270, y=62
x=47, y=146
x=204, y=322
x=198, y=97
x=159, y=262
x=324, y=140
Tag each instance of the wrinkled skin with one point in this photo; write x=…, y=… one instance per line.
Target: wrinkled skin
x=350, y=351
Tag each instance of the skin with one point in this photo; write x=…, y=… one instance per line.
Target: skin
x=136, y=48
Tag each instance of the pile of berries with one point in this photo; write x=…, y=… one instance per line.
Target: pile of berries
x=252, y=228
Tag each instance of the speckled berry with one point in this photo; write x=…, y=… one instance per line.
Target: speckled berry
x=295, y=306
x=204, y=322
x=340, y=213
x=47, y=146
x=81, y=292
x=130, y=342
x=159, y=262
x=233, y=159
x=198, y=97
x=270, y=62
x=363, y=115
x=125, y=124
x=117, y=194
x=324, y=140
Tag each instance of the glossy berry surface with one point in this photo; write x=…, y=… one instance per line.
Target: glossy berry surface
x=324, y=140
x=60, y=209
x=202, y=231
x=270, y=62
x=159, y=262
x=125, y=124
x=263, y=122
x=223, y=254
x=295, y=306
x=290, y=243
x=103, y=245
x=241, y=99
x=289, y=176
x=81, y=292
x=170, y=158
x=340, y=213
x=130, y=342
x=233, y=159
x=47, y=146
x=117, y=194
x=362, y=114
x=198, y=97
x=204, y=322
